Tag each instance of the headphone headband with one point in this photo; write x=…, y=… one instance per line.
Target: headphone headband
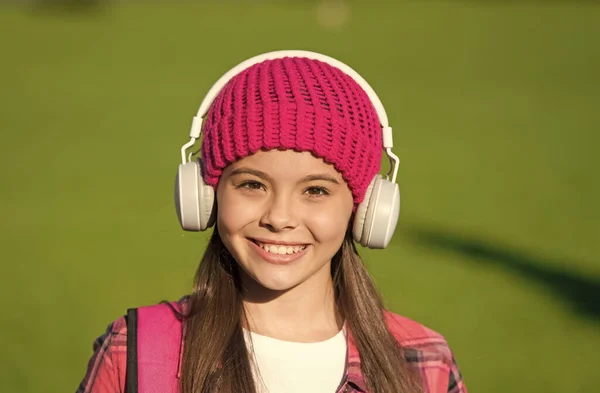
x=214, y=91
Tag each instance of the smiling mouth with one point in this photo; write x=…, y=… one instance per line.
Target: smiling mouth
x=279, y=249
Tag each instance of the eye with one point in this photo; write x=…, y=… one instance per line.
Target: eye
x=250, y=185
x=316, y=191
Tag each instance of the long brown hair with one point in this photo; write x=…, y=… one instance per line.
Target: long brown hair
x=216, y=358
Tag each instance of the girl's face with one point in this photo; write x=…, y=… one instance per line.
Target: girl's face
x=283, y=215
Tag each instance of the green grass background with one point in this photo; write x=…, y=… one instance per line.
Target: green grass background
x=496, y=114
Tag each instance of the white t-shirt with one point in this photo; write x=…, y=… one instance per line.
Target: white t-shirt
x=291, y=367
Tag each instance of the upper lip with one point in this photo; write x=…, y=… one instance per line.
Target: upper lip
x=277, y=242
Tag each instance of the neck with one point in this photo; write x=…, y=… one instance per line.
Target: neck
x=304, y=313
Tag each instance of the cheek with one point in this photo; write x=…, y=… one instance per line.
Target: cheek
x=330, y=223
x=232, y=213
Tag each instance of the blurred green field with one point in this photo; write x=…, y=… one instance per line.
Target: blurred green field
x=496, y=114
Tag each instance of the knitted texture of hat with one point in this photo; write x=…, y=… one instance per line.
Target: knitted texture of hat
x=300, y=104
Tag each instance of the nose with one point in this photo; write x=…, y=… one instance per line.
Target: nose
x=279, y=214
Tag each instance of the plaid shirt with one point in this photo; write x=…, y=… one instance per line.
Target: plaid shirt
x=424, y=349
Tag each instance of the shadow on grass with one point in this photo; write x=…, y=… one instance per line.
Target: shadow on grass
x=75, y=7
x=580, y=292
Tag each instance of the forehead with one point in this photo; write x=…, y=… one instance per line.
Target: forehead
x=285, y=164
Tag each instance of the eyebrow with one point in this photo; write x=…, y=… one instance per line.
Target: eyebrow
x=260, y=174
x=250, y=171
x=320, y=176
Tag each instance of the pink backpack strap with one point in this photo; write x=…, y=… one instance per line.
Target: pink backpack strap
x=154, y=346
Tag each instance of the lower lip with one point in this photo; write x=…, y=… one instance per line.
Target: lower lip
x=277, y=259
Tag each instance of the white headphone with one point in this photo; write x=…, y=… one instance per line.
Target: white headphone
x=376, y=217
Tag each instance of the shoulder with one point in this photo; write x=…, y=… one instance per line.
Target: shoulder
x=428, y=351
x=413, y=335
x=106, y=367
x=116, y=333
x=114, y=340
x=118, y=329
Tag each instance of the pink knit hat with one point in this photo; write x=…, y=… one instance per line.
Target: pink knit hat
x=300, y=104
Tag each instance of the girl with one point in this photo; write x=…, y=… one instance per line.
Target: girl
x=291, y=151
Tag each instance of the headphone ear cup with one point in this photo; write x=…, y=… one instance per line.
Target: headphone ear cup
x=381, y=214
x=361, y=215
x=194, y=200
x=208, y=209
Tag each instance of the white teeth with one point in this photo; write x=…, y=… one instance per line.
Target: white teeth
x=281, y=250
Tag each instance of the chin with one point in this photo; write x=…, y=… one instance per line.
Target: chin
x=276, y=284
